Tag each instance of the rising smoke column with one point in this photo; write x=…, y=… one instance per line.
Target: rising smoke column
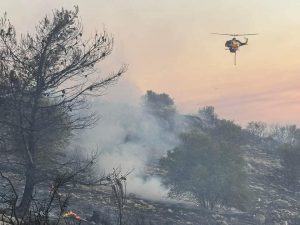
x=132, y=137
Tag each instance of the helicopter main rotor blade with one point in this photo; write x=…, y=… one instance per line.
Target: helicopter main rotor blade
x=224, y=34
x=234, y=35
x=244, y=34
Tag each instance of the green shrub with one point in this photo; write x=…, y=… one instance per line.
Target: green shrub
x=210, y=172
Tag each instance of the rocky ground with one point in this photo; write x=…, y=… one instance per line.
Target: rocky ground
x=273, y=203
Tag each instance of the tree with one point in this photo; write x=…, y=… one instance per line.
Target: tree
x=45, y=80
x=50, y=208
x=212, y=173
x=287, y=134
x=208, y=113
x=227, y=131
x=161, y=106
x=257, y=128
x=220, y=129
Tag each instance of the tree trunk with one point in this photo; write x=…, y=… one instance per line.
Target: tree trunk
x=24, y=205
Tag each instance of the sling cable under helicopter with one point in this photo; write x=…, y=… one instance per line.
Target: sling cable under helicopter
x=234, y=44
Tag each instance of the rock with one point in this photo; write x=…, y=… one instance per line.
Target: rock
x=281, y=203
x=4, y=219
x=131, y=195
x=3, y=223
x=297, y=194
x=99, y=218
x=150, y=207
x=137, y=205
x=260, y=218
x=223, y=222
x=95, y=217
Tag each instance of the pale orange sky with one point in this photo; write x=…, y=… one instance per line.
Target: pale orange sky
x=169, y=48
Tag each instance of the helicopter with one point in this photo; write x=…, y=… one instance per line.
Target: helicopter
x=234, y=44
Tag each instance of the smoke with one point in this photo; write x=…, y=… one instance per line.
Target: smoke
x=129, y=138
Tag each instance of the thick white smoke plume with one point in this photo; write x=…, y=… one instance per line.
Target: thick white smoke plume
x=129, y=138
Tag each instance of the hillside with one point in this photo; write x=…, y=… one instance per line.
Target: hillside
x=272, y=203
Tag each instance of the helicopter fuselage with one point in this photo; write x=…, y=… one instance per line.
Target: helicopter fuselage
x=234, y=44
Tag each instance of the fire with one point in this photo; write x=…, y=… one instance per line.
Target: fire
x=71, y=214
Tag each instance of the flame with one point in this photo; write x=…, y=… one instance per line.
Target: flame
x=71, y=214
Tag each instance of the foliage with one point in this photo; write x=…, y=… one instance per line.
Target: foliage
x=228, y=131
x=208, y=112
x=212, y=173
x=220, y=129
x=45, y=79
x=161, y=106
x=290, y=161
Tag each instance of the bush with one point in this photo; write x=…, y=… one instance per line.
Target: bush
x=228, y=131
x=290, y=161
x=210, y=172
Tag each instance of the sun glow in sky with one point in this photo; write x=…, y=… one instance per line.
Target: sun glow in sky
x=169, y=48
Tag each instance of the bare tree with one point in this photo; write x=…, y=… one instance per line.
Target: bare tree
x=56, y=202
x=257, y=128
x=45, y=78
x=118, y=185
x=286, y=134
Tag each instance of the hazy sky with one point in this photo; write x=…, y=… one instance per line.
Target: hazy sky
x=169, y=48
